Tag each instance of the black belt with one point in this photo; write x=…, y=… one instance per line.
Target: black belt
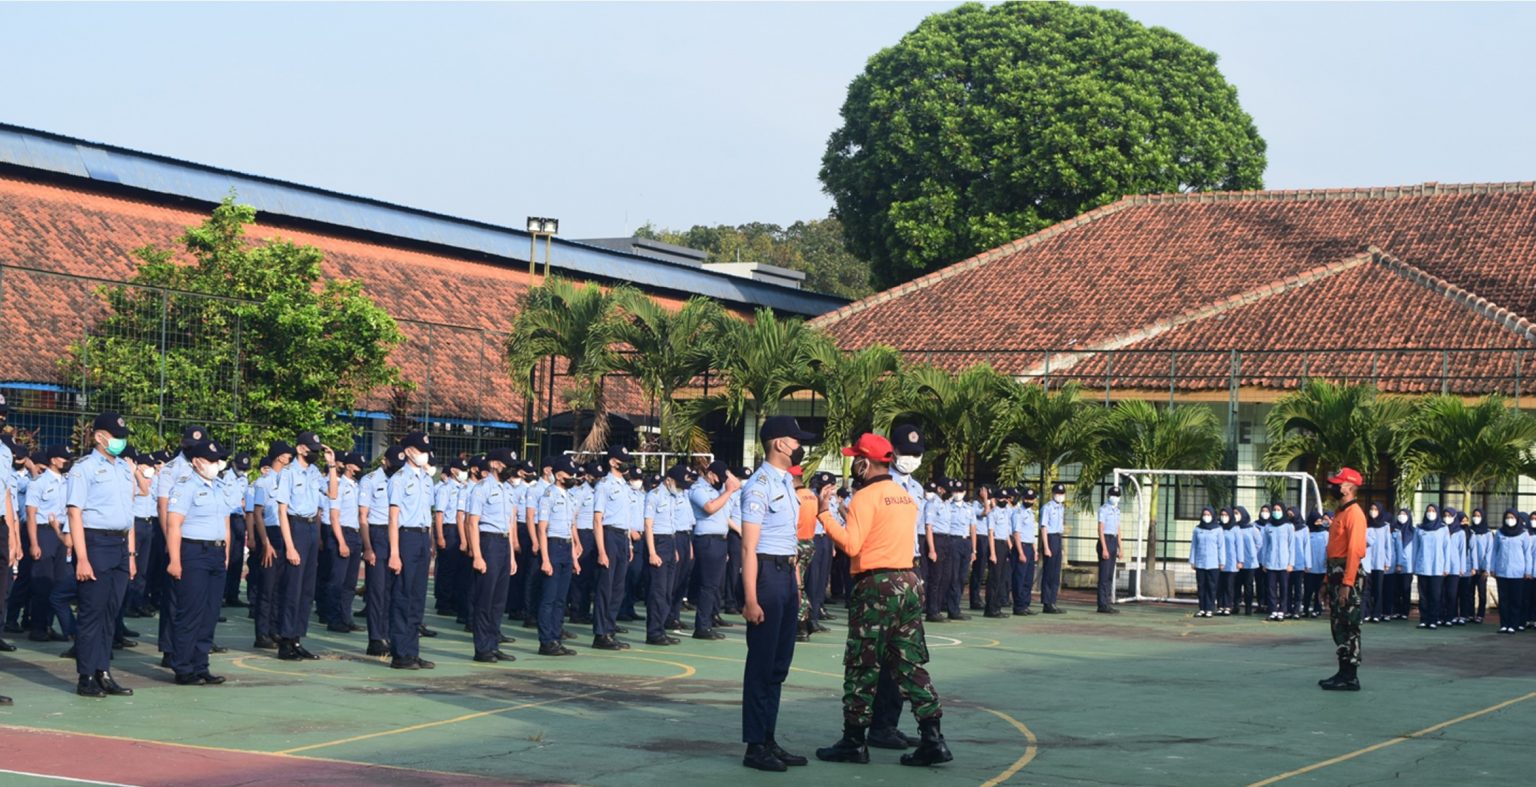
x=493, y=534
x=782, y=561
x=381, y=527
x=864, y=574
x=202, y=543
x=115, y=535
x=302, y=519
x=710, y=535
x=557, y=539
x=619, y=529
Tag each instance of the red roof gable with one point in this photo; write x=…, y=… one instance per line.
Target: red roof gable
x=1205, y=274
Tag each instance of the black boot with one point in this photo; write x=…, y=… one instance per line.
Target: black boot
x=850, y=748
x=761, y=758
x=890, y=738
x=784, y=756
x=1347, y=680
x=932, y=750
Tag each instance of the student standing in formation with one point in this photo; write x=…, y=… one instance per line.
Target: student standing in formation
x=1510, y=563
x=177, y=470
x=1109, y=550
x=710, y=499
x=1456, y=552
x=1053, y=517
x=378, y=580
x=1026, y=529
x=936, y=533
x=446, y=502
x=1479, y=562
x=146, y=468
x=962, y=538
x=1207, y=553
x=264, y=510
x=1431, y=545
x=1378, y=554
x=556, y=518
x=1318, y=526
x=585, y=580
x=47, y=524
x=344, y=543
x=297, y=494
x=682, y=535
x=1309, y=561
x=1278, y=560
x=236, y=475
x=488, y=524
x=1400, y=583
x=1249, y=582
x=99, y=500
x=611, y=505
x=662, y=562
x=197, y=542
x=1002, y=542
x=1234, y=554
x=410, y=552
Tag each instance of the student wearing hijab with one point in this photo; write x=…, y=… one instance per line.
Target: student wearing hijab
x=1378, y=557
x=1296, y=600
x=1511, y=567
x=1450, y=592
x=1261, y=577
x=1431, y=561
x=1233, y=553
x=1251, y=540
x=1317, y=562
x=1207, y=553
x=1529, y=604
x=1279, y=560
x=1400, y=591
x=1474, y=603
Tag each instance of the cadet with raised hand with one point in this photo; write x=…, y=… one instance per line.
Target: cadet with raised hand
x=710, y=498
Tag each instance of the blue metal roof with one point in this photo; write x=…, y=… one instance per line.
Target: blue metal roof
x=41, y=150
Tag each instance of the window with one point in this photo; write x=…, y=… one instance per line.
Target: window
x=1189, y=497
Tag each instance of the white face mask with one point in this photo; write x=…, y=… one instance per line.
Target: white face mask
x=208, y=470
x=1059, y=498
x=1402, y=519
x=222, y=465
x=1206, y=518
x=1509, y=522
x=418, y=459
x=907, y=465
x=147, y=472
x=1477, y=520
x=1447, y=519
x=461, y=476
x=929, y=495
x=1114, y=501
x=960, y=497
x=636, y=485
x=1226, y=519
x=1263, y=514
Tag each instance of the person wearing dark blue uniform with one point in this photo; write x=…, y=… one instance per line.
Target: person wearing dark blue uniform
x=378, y=579
x=636, y=581
x=1109, y=550
x=197, y=543
x=175, y=471
x=410, y=552
x=99, y=496
x=1053, y=517
x=344, y=543
x=557, y=554
x=770, y=511
x=1026, y=557
x=239, y=466
x=682, y=537
x=490, y=524
x=264, y=510
x=447, y=502
x=585, y=580
x=47, y=528
x=661, y=550
x=710, y=500
x=146, y=468
x=611, y=504
x=297, y=494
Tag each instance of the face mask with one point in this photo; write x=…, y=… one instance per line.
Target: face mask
x=797, y=456
x=929, y=495
x=959, y=497
x=116, y=445
x=460, y=475
x=420, y=460
x=636, y=485
x=1226, y=519
x=222, y=465
x=907, y=465
x=1477, y=520
x=1059, y=498
x=1335, y=491
x=1114, y=501
x=1447, y=519
x=1509, y=522
x=620, y=466
x=570, y=483
x=1263, y=515
x=1206, y=518
x=208, y=470
x=147, y=472
x=1402, y=519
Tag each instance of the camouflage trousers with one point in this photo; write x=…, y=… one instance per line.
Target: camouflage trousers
x=804, y=550
x=885, y=631
x=1344, y=613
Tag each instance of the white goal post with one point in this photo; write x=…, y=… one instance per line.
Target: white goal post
x=1137, y=564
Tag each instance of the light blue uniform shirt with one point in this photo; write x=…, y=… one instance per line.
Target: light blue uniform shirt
x=492, y=501
x=171, y=474
x=47, y=496
x=1480, y=551
x=962, y=517
x=410, y=491
x=582, y=495
x=735, y=507
x=1053, y=517
x=449, y=498
x=1402, y=550
x=1431, y=551
x=373, y=493
x=1301, y=550
x=347, y=492
x=637, y=510
x=143, y=505
x=658, y=509
x=1279, y=547
x=612, y=500
x=205, y=504
x=768, y=501
x=1110, y=516
x=1458, y=552
x=999, y=523
x=517, y=496
x=914, y=489
x=682, y=513
x=299, y=489
x=102, y=489
x=237, y=484
x=1025, y=525
x=700, y=495
x=1234, y=549
x=6, y=460
x=558, y=509
x=263, y=487
x=1207, y=548
x=1511, y=555
x=1378, y=548
x=936, y=516
x=533, y=497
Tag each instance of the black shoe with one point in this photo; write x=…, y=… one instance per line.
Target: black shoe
x=109, y=685
x=688, y=605
x=530, y=623
x=1024, y=612
x=555, y=649
x=605, y=643
x=761, y=758
x=849, y=748
x=566, y=634
x=42, y=636
x=341, y=629
x=425, y=632
x=505, y=640
x=628, y=618
x=889, y=739
x=362, y=613
x=235, y=602
x=126, y=633
x=959, y=616
x=732, y=610
x=424, y=664
x=792, y=760
x=817, y=628
x=723, y=624
x=117, y=644
x=620, y=629
x=486, y=658
x=286, y=651
x=215, y=648
x=976, y=607
x=4, y=700
x=825, y=615
x=403, y=664
x=189, y=680
x=87, y=688
x=6, y=647
x=674, y=625
x=378, y=647
x=1108, y=611
x=933, y=618
x=304, y=652
x=931, y=748
x=662, y=641
x=1347, y=680
x=996, y=615
x=503, y=656
x=708, y=634
x=68, y=654
x=1052, y=609
x=165, y=660
x=223, y=619
x=210, y=679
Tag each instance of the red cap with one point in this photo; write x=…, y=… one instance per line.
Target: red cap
x=797, y=471
x=871, y=446
x=1347, y=475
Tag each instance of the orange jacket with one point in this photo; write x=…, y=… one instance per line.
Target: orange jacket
x=1346, y=539
x=805, y=527
x=881, y=530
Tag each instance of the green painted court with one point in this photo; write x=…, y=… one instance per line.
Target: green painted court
x=1149, y=697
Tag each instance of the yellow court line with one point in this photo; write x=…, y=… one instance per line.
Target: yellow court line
x=837, y=675
x=1029, y=751
x=1393, y=741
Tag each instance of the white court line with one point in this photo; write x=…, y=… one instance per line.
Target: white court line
x=64, y=778
x=953, y=643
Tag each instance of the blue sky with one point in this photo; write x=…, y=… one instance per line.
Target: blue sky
x=608, y=115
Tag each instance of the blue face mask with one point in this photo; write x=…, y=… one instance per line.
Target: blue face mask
x=116, y=445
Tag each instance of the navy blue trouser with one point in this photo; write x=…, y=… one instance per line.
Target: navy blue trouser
x=47, y=572
x=999, y=574
x=488, y=591
x=1107, y=570
x=1023, y=577
x=680, y=575
x=297, y=588
x=610, y=581
x=160, y=590
x=636, y=580
x=1512, y=610
x=408, y=603
x=1279, y=588
x=517, y=590
x=556, y=586
x=1206, y=581
x=820, y=575
x=236, y=557
x=253, y=570
x=451, y=586
x=937, y=583
x=100, y=600
x=959, y=572
x=198, y=595
x=269, y=604
x=658, y=602
x=1429, y=599
x=343, y=586
x=378, y=584
x=770, y=647
x=143, y=541
x=731, y=591
x=1450, y=598
x=584, y=585
x=15, y=591
x=532, y=587
x=710, y=554
x=1050, y=582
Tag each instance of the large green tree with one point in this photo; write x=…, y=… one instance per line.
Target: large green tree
x=986, y=124
x=247, y=339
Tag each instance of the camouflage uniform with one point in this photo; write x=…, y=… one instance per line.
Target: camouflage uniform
x=1344, y=611
x=804, y=550
x=885, y=630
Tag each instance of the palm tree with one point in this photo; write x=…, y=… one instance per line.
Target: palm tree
x=1333, y=426
x=764, y=361
x=958, y=407
x=1475, y=447
x=1033, y=426
x=668, y=350
x=581, y=325
x=1137, y=433
x=858, y=386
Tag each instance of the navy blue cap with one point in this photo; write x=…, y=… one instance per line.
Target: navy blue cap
x=53, y=452
x=111, y=423
x=204, y=449
x=561, y=463
x=241, y=461
x=278, y=448
x=821, y=479
x=619, y=452
x=679, y=473
x=777, y=426
x=193, y=434
x=416, y=440
x=906, y=440
x=309, y=440
x=1059, y=489
x=502, y=455
x=719, y=468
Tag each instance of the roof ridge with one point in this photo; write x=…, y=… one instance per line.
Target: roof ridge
x=1151, y=330
x=1522, y=327
x=970, y=263
x=1426, y=189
